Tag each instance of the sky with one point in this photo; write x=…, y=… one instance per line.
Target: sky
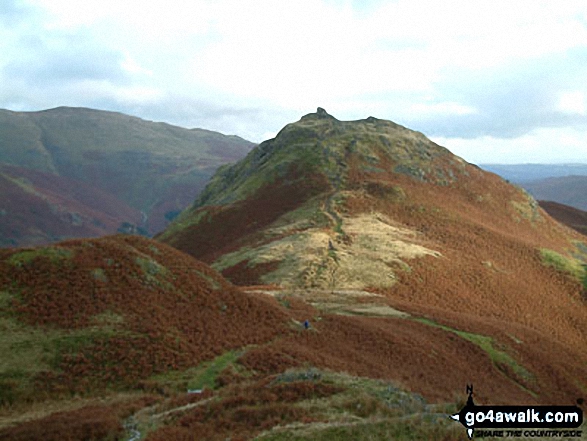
x=494, y=81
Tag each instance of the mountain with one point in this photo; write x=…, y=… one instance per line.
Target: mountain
x=523, y=173
x=379, y=273
x=567, y=190
x=154, y=169
x=370, y=223
x=570, y=216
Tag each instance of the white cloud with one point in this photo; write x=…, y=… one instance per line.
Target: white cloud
x=440, y=108
x=572, y=102
x=560, y=145
x=496, y=67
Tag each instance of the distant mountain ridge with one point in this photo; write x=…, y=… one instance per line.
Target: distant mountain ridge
x=567, y=190
x=154, y=168
x=523, y=173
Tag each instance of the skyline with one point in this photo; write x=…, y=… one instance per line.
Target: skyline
x=491, y=81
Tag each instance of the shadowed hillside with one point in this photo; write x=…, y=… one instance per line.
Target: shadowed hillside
x=42, y=207
x=570, y=216
x=153, y=168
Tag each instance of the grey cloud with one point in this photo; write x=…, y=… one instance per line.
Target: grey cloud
x=13, y=12
x=206, y=113
x=75, y=59
x=511, y=101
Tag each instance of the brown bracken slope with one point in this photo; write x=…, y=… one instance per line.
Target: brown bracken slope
x=115, y=311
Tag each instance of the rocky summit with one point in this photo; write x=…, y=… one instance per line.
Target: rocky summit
x=344, y=204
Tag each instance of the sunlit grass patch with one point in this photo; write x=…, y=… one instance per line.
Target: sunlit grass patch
x=500, y=358
x=54, y=254
x=203, y=376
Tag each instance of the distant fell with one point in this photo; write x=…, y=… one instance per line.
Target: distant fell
x=524, y=173
x=154, y=168
x=567, y=190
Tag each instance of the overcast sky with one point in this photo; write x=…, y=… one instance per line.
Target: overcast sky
x=494, y=81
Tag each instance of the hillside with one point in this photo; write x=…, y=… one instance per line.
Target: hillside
x=370, y=219
x=42, y=207
x=567, y=190
x=570, y=216
x=122, y=299
x=153, y=168
x=122, y=336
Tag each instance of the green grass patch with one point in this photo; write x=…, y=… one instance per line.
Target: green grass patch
x=5, y=301
x=332, y=255
x=74, y=342
x=202, y=376
x=309, y=215
x=23, y=348
x=231, y=259
x=31, y=349
x=573, y=267
x=108, y=319
x=209, y=371
x=150, y=267
x=498, y=356
x=24, y=183
x=153, y=273
x=99, y=275
x=184, y=220
x=55, y=255
x=283, y=300
x=27, y=351
x=562, y=263
x=211, y=281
